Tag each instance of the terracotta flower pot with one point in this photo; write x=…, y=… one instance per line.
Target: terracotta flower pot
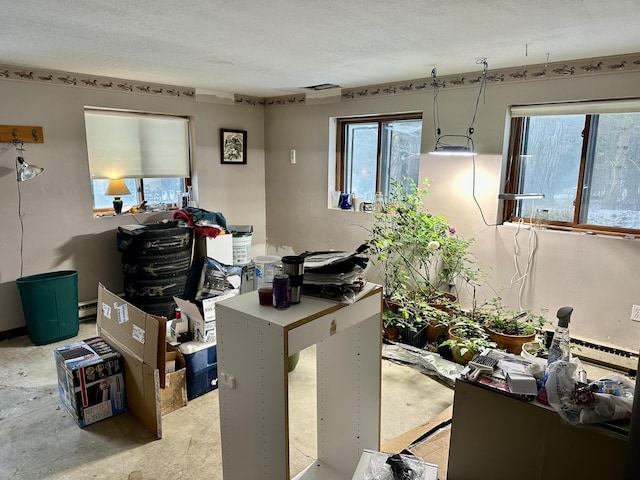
x=510, y=343
x=433, y=332
x=392, y=333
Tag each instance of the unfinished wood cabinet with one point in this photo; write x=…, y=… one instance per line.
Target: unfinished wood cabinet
x=254, y=343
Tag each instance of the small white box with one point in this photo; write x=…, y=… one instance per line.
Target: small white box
x=220, y=248
x=203, y=329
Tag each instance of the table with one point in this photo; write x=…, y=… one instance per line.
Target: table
x=254, y=343
x=499, y=436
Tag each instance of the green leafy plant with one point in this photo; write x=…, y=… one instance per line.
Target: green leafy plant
x=473, y=346
x=391, y=318
x=495, y=316
x=416, y=250
x=467, y=328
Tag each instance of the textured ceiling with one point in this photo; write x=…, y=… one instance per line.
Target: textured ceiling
x=276, y=47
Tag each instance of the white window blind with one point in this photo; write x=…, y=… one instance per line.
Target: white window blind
x=577, y=108
x=136, y=145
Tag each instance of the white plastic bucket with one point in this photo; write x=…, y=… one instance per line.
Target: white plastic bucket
x=241, y=246
x=267, y=266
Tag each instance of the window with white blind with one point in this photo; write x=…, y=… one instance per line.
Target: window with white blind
x=151, y=152
x=584, y=157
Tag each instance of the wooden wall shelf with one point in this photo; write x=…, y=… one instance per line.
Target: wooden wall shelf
x=21, y=133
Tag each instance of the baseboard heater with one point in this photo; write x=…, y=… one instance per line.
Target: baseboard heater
x=602, y=354
x=88, y=310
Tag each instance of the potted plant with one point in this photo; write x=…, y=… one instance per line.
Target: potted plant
x=419, y=254
x=415, y=249
x=396, y=321
x=467, y=338
x=508, y=328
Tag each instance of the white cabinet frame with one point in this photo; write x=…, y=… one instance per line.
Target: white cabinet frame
x=254, y=343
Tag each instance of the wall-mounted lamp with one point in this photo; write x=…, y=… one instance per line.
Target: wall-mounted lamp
x=117, y=187
x=23, y=169
x=520, y=196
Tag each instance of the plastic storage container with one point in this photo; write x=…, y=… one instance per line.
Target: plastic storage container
x=267, y=266
x=241, y=245
x=202, y=368
x=50, y=305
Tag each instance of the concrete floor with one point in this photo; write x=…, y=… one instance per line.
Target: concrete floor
x=40, y=440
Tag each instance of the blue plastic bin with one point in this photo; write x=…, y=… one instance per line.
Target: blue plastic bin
x=202, y=368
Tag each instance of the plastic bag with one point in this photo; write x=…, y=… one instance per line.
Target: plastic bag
x=394, y=467
x=606, y=399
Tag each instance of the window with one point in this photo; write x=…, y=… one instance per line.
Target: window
x=585, y=159
x=374, y=150
x=149, y=151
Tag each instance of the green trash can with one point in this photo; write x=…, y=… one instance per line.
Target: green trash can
x=50, y=305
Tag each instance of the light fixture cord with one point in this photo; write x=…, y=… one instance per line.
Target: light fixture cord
x=19, y=145
x=483, y=83
x=473, y=186
x=21, y=230
x=436, y=112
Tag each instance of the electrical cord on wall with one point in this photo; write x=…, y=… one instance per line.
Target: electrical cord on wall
x=532, y=244
x=473, y=189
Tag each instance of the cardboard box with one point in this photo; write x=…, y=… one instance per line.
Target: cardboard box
x=141, y=340
x=203, y=325
x=174, y=394
x=91, y=380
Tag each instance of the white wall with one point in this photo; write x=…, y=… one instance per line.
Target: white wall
x=594, y=274
x=59, y=229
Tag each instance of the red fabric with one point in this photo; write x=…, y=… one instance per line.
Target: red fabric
x=212, y=232
x=201, y=231
x=184, y=215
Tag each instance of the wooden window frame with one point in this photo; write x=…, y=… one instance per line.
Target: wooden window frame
x=516, y=135
x=342, y=124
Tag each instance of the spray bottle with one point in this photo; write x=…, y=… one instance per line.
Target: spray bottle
x=560, y=347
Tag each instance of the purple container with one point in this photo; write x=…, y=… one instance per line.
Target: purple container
x=281, y=291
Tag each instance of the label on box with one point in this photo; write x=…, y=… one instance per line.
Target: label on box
x=138, y=334
x=123, y=313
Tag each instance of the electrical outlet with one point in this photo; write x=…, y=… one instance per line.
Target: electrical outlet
x=635, y=313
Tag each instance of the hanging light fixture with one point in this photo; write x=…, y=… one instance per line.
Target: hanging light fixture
x=461, y=145
x=24, y=171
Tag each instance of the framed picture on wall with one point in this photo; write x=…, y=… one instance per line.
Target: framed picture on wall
x=233, y=146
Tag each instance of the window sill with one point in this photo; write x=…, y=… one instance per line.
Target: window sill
x=581, y=231
x=347, y=210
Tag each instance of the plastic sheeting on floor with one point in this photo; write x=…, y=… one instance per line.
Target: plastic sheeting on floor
x=429, y=363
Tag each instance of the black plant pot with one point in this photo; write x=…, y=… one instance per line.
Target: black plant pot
x=415, y=339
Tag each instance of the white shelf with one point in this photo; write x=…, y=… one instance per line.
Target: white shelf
x=254, y=343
